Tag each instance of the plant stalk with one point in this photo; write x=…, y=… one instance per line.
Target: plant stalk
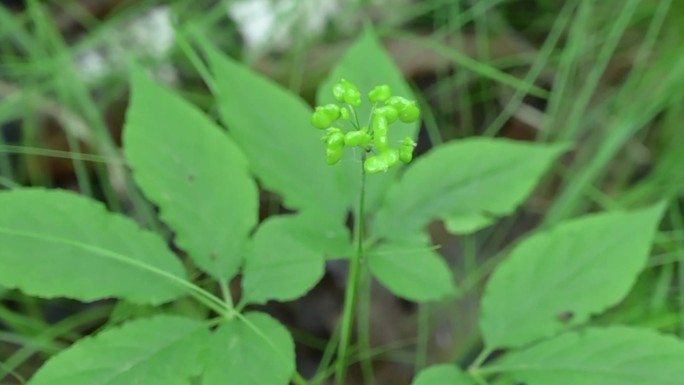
x=363, y=328
x=352, y=289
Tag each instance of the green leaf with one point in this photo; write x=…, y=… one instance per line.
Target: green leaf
x=649, y=302
x=197, y=176
x=57, y=243
x=470, y=179
x=320, y=233
x=466, y=223
x=164, y=350
x=611, y=356
x=280, y=266
x=273, y=128
x=238, y=354
x=558, y=278
x=367, y=64
x=412, y=270
x=444, y=374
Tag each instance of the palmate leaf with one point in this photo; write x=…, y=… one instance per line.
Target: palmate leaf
x=610, y=356
x=558, y=278
x=411, y=269
x=444, y=374
x=58, y=243
x=273, y=128
x=164, y=350
x=469, y=182
x=238, y=354
x=279, y=265
x=367, y=64
x=197, y=176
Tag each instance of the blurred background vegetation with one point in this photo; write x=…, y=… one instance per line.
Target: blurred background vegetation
x=607, y=75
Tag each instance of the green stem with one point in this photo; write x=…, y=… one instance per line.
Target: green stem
x=480, y=359
x=479, y=380
x=227, y=297
x=475, y=369
x=351, y=291
x=423, y=336
x=364, y=345
x=298, y=379
x=196, y=61
x=328, y=353
x=355, y=122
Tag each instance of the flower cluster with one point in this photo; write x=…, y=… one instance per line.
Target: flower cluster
x=373, y=137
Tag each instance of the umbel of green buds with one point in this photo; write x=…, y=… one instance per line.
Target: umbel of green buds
x=372, y=138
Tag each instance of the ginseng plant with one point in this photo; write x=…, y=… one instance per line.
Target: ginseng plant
x=176, y=320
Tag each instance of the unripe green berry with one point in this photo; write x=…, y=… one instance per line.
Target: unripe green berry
x=357, y=138
x=410, y=113
x=379, y=93
x=388, y=112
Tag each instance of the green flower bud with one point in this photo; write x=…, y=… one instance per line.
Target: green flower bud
x=388, y=112
x=333, y=154
x=406, y=150
x=383, y=161
x=345, y=113
x=334, y=138
x=405, y=156
x=397, y=102
x=345, y=91
x=324, y=116
x=332, y=111
x=321, y=119
x=391, y=156
x=353, y=97
x=380, y=123
x=357, y=138
x=375, y=164
x=380, y=133
x=340, y=89
x=410, y=113
x=379, y=93
x=380, y=141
